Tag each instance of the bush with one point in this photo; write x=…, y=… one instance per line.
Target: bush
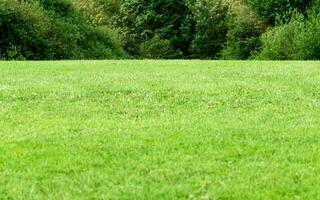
x=158, y=48
x=296, y=40
x=30, y=31
x=272, y=9
x=279, y=43
x=21, y=25
x=244, y=31
x=211, y=28
x=139, y=20
x=100, y=43
x=308, y=39
x=63, y=8
x=98, y=12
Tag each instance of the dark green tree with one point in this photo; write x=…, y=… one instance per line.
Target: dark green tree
x=211, y=28
x=39, y=30
x=140, y=20
x=271, y=9
x=244, y=31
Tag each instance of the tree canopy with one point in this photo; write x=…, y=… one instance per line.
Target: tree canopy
x=156, y=29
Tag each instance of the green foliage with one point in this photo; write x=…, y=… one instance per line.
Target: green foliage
x=205, y=29
x=99, y=12
x=139, y=21
x=244, y=31
x=210, y=29
x=272, y=9
x=308, y=38
x=62, y=8
x=158, y=48
x=279, y=43
x=38, y=30
x=21, y=25
x=100, y=43
x=298, y=39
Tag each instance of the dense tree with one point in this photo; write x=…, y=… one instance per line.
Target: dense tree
x=52, y=30
x=271, y=9
x=205, y=29
x=244, y=31
x=297, y=39
x=139, y=21
x=99, y=12
x=21, y=25
x=211, y=28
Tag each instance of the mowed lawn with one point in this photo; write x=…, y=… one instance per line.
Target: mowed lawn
x=159, y=130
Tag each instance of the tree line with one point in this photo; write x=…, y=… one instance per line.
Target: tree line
x=159, y=29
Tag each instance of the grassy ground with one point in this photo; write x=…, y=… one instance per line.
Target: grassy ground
x=159, y=130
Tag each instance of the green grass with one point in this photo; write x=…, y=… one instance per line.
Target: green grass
x=159, y=130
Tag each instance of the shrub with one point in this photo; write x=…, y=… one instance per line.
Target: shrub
x=39, y=30
x=158, y=48
x=98, y=12
x=308, y=39
x=271, y=9
x=100, y=43
x=296, y=40
x=62, y=8
x=279, y=43
x=139, y=20
x=244, y=31
x=210, y=29
x=21, y=25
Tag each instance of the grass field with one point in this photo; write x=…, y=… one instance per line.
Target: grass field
x=159, y=130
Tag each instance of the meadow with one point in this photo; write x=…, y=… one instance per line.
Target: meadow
x=160, y=130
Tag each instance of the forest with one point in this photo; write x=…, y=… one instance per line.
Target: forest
x=159, y=29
